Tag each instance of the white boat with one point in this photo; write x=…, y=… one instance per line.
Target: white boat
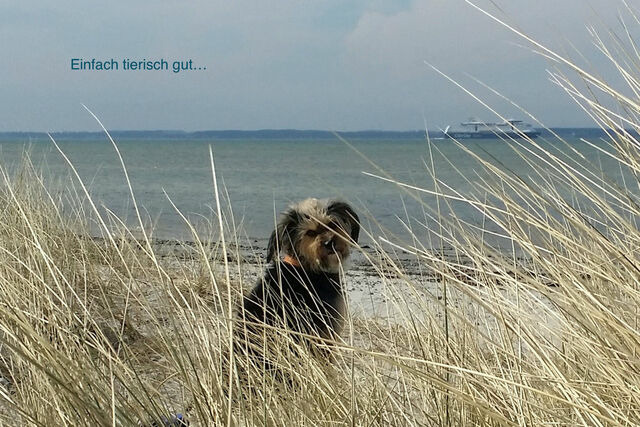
x=476, y=129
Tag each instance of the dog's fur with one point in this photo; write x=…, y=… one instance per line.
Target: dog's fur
x=303, y=291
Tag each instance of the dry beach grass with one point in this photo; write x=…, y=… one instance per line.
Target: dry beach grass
x=117, y=330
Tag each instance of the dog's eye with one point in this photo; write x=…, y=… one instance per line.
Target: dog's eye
x=311, y=233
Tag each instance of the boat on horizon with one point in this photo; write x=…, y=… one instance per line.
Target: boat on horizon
x=476, y=129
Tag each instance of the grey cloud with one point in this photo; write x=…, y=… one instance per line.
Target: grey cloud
x=290, y=64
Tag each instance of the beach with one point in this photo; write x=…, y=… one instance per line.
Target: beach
x=160, y=312
x=381, y=283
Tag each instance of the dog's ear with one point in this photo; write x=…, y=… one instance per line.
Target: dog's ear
x=282, y=237
x=272, y=247
x=346, y=213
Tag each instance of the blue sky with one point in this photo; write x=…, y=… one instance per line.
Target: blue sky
x=285, y=64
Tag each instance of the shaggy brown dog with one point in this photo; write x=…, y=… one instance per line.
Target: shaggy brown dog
x=302, y=292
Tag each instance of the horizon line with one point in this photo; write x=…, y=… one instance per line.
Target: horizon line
x=256, y=130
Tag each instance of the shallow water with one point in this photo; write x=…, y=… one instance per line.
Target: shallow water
x=263, y=176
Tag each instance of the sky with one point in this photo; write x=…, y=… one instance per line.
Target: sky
x=303, y=64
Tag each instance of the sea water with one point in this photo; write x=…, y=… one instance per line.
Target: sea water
x=172, y=179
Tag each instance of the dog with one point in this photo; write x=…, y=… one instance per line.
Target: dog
x=302, y=291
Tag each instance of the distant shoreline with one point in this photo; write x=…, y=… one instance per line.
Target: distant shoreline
x=279, y=134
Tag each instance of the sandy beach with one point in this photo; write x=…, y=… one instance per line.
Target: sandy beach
x=380, y=284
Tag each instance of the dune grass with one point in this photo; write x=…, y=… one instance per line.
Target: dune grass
x=113, y=330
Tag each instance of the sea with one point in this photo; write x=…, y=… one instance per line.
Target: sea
x=389, y=181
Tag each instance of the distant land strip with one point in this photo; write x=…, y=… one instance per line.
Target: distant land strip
x=270, y=134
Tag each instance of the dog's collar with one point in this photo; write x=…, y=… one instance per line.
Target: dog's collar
x=291, y=261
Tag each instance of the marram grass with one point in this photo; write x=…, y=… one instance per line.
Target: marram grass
x=113, y=330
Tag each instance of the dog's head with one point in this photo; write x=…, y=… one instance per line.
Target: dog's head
x=316, y=233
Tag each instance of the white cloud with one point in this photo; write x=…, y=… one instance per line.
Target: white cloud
x=306, y=64
x=391, y=51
